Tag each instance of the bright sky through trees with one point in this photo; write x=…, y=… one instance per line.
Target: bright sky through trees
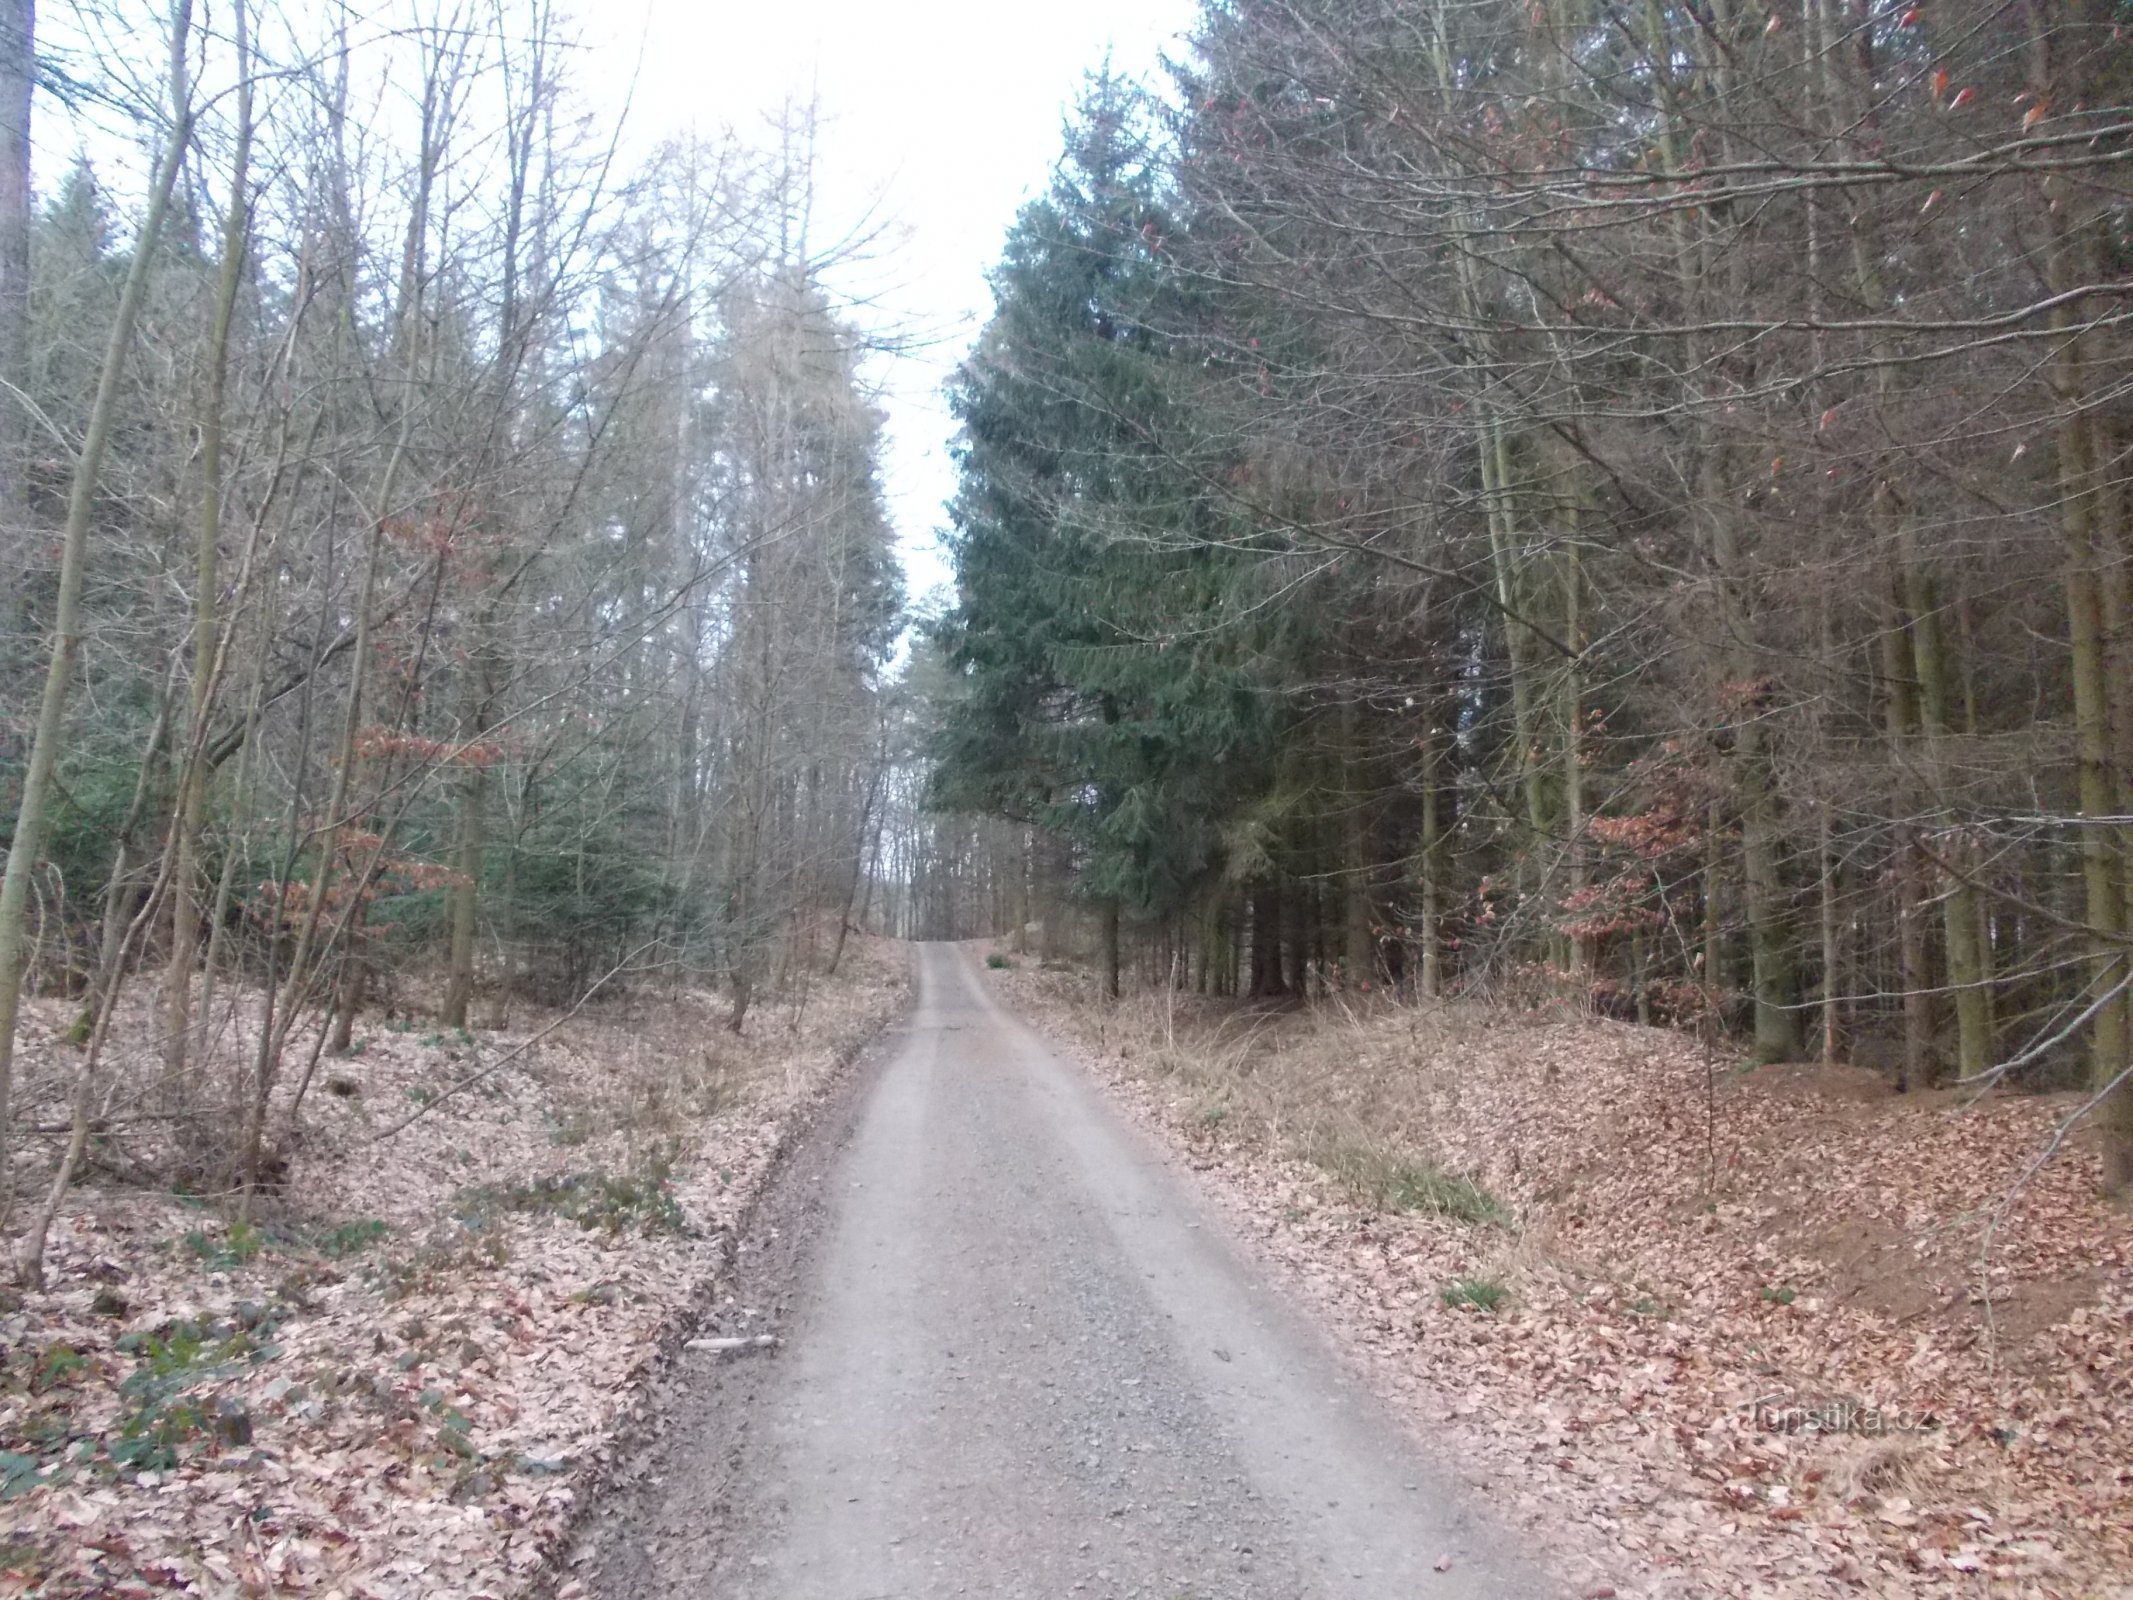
x=940, y=117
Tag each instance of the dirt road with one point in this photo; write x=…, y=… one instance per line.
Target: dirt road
x=1019, y=1358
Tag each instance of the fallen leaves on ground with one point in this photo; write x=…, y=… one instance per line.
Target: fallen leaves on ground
x=401, y=1379
x=1761, y=1333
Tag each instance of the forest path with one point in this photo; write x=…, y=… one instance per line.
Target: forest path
x=1020, y=1358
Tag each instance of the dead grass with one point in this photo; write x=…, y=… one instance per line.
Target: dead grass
x=1353, y=1090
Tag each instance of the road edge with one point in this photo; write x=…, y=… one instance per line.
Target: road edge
x=760, y=1247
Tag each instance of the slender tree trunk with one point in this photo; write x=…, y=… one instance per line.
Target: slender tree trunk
x=1832, y=942
x=18, y=56
x=1432, y=870
x=274, y=1029
x=191, y=817
x=30, y=820
x=1518, y=646
x=2110, y=1038
x=1291, y=960
x=1968, y=974
x=469, y=855
x=1265, y=972
x=2087, y=511
x=1717, y=903
x=1774, y=973
x=1579, y=873
x=1358, y=931
x=1914, y=954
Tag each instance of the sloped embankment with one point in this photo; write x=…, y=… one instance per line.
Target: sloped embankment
x=1707, y=1330
x=401, y=1380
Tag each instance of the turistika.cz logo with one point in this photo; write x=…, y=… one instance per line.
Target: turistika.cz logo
x=1774, y=1413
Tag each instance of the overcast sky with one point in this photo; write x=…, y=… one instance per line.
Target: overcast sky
x=946, y=112
x=939, y=118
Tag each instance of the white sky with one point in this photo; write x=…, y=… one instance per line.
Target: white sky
x=939, y=118
x=948, y=112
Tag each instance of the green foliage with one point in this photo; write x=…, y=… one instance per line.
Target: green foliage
x=454, y=1431
x=18, y=1474
x=166, y=1411
x=237, y=1246
x=242, y=1243
x=1397, y=1183
x=89, y=805
x=576, y=905
x=1780, y=1296
x=187, y=1345
x=611, y=1202
x=1483, y=1294
x=998, y=962
x=1443, y=1194
x=351, y=1238
x=57, y=1366
x=1103, y=648
x=155, y=1433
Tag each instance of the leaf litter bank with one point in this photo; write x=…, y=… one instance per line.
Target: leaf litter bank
x=403, y=1381
x=1706, y=1331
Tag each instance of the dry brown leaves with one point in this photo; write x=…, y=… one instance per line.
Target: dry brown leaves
x=401, y=1382
x=1943, y=1355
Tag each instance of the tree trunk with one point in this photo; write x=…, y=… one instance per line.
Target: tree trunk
x=1579, y=872
x=1968, y=972
x=30, y=819
x=18, y=57
x=1717, y=945
x=466, y=897
x=1360, y=934
x=1432, y=864
x=2090, y=541
x=194, y=772
x=1915, y=971
x=1291, y=959
x=1832, y=943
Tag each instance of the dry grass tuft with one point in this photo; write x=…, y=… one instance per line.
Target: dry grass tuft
x=1349, y=1089
x=1882, y=1468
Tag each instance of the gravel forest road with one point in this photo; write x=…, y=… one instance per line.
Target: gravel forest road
x=1020, y=1357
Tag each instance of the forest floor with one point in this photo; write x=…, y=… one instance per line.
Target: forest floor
x=1704, y=1330
x=404, y=1375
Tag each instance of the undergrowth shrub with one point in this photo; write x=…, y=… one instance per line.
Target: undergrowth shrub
x=1393, y=1182
x=351, y=1238
x=1483, y=1294
x=643, y=1199
x=167, y=1412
